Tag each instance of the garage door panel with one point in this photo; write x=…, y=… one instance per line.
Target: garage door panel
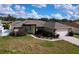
x=62, y=32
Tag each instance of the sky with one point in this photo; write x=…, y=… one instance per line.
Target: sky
x=58, y=11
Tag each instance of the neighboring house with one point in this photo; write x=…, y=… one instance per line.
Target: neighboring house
x=77, y=22
x=31, y=26
x=74, y=26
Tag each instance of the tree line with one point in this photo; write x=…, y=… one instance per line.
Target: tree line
x=11, y=18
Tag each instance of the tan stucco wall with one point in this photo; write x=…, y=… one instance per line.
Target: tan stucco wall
x=33, y=29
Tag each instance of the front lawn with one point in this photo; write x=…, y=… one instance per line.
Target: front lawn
x=27, y=44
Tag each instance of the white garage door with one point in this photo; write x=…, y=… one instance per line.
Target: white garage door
x=62, y=32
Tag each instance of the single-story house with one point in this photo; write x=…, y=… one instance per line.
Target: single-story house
x=31, y=26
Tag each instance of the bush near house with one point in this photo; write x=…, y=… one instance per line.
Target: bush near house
x=6, y=26
x=76, y=33
x=46, y=34
x=70, y=33
x=18, y=33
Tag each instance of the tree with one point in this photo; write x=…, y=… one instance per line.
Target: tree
x=44, y=19
x=64, y=20
x=9, y=18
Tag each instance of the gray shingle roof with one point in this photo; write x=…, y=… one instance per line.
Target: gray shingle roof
x=16, y=24
x=38, y=23
x=56, y=25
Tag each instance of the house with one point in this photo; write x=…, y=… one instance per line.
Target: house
x=31, y=26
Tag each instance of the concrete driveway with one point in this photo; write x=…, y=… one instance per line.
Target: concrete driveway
x=72, y=40
x=63, y=36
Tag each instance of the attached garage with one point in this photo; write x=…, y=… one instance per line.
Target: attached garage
x=61, y=29
x=62, y=32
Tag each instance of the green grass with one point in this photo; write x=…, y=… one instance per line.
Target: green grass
x=29, y=45
x=77, y=36
x=47, y=44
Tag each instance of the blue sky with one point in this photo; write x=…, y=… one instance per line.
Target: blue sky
x=59, y=11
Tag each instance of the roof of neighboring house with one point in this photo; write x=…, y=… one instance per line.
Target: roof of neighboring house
x=72, y=24
x=77, y=22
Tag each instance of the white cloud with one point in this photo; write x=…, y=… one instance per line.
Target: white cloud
x=20, y=11
x=57, y=16
x=18, y=7
x=34, y=14
x=40, y=5
x=64, y=6
x=70, y=10
x=6, y=9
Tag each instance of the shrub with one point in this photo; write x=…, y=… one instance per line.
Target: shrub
x=44, y=33
x=6, y=26
x=70, y=33
x=56, y=36
x=76, y=33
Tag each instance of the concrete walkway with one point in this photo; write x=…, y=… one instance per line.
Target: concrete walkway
x=72, y=40
x=46, y=39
